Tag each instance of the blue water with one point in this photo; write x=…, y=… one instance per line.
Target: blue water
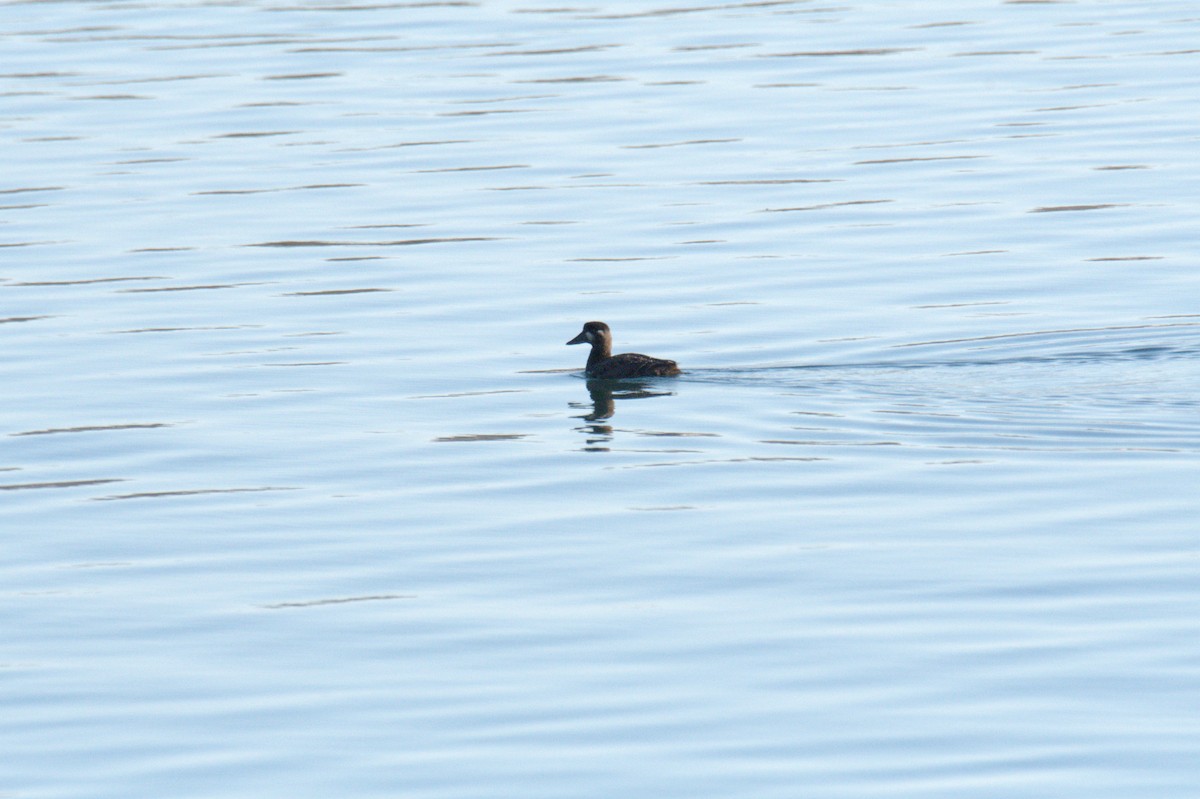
x=302, y=495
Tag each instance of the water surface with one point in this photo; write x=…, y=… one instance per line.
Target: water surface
x=301, y=494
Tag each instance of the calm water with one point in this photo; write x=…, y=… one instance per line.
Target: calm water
x=301, y=494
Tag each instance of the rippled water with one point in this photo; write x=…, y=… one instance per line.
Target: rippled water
x=302, y=495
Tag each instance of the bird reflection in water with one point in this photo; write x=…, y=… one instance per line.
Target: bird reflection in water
x=604, y=395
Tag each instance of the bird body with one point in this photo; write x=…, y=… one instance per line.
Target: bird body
x=603, y=365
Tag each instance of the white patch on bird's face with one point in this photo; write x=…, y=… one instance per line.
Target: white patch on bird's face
x=591, y=337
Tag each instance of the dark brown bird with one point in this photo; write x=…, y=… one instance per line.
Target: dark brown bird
x=603, y=365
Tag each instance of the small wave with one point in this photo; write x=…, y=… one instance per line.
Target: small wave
x=1099, y=345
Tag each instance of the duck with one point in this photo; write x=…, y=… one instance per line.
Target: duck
x=603, y=365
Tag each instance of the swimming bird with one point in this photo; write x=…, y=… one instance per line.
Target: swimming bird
x=602, y=364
